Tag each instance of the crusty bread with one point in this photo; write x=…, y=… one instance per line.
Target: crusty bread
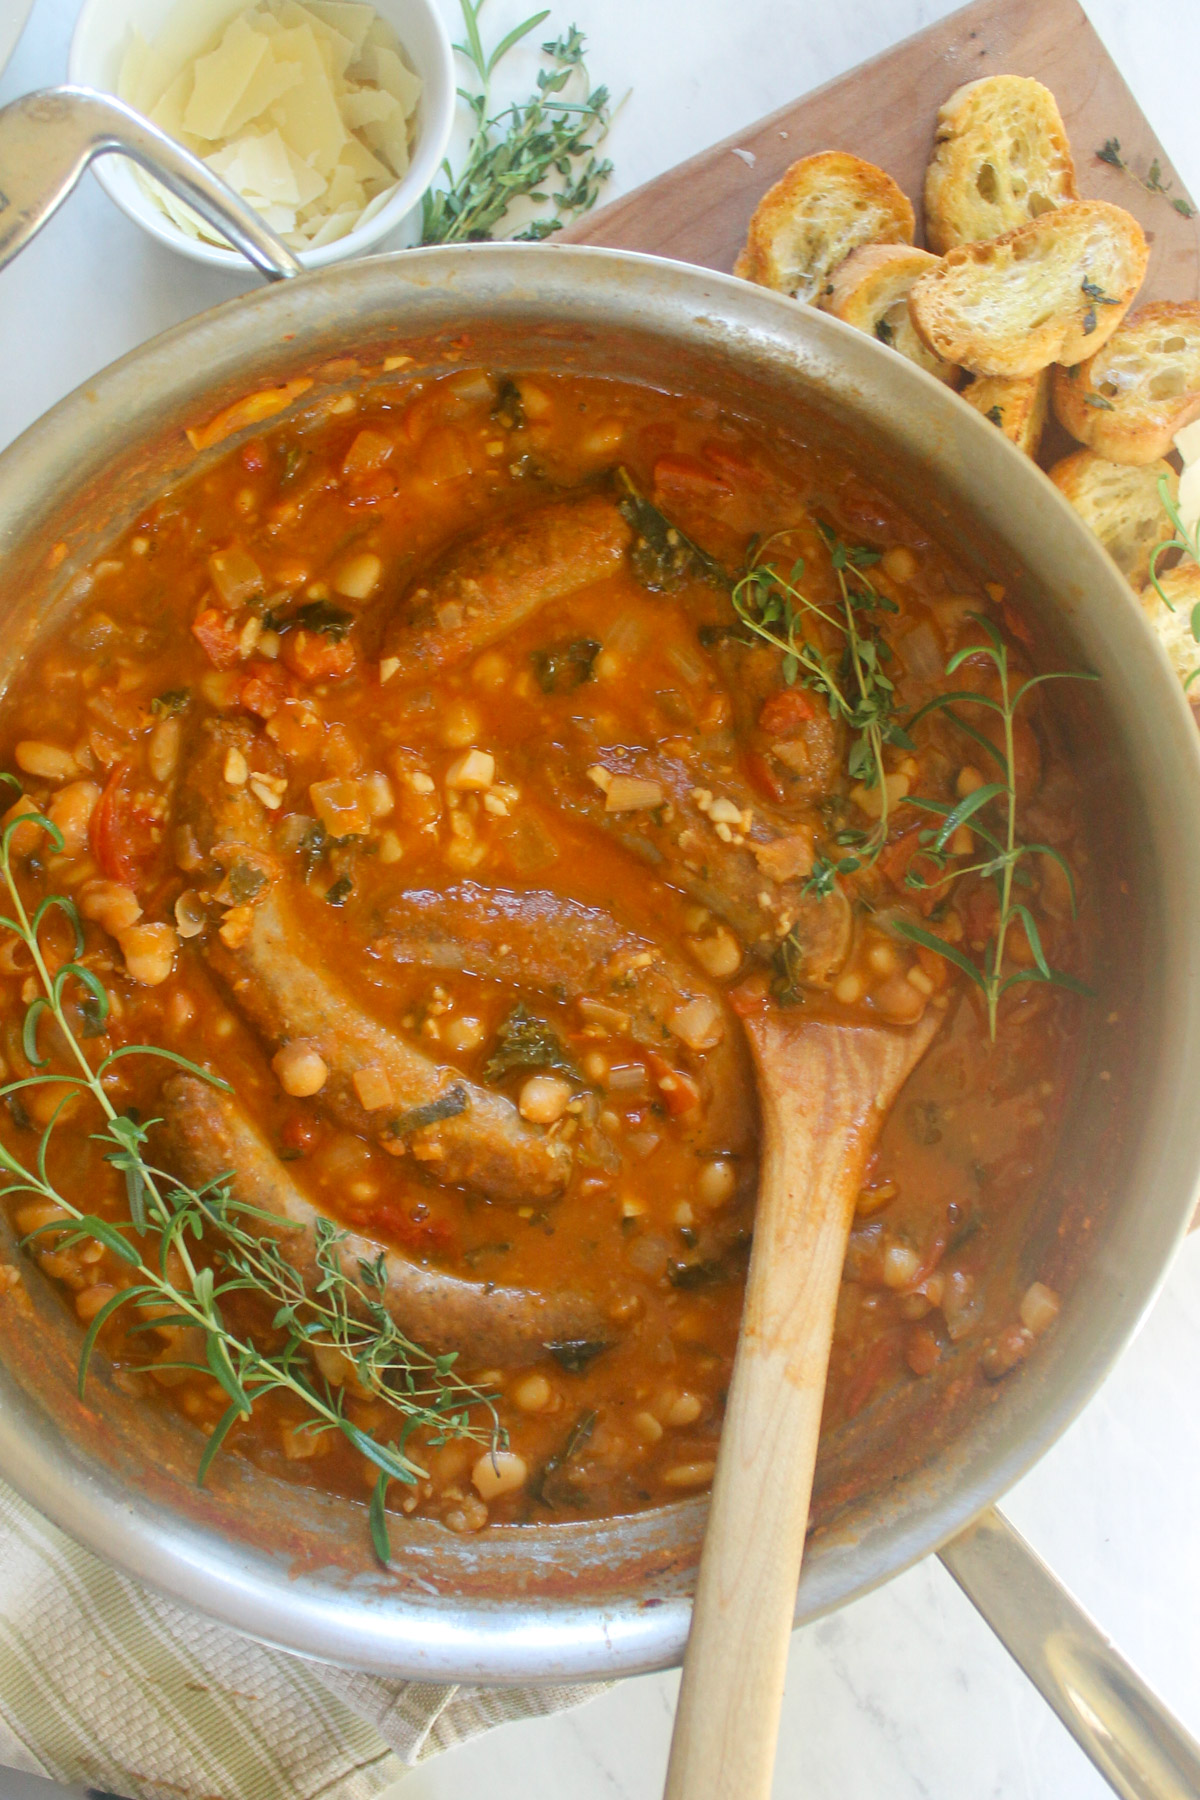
x=1130, y=399
x=1054, y=290
x=1018, y=405
x=1182, y=587
x=820, y=210
x=1000, y=158
x=870, y=290
x=1121, y=504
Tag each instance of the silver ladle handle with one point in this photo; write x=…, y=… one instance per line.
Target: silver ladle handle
x=47, y=140
x=1142, y=1752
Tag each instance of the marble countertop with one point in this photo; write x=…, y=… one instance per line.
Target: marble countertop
x=905, y=1695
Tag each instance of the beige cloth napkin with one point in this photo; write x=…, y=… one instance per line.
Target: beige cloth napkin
x=105, y=1685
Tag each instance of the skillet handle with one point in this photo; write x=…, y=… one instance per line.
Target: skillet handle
x=1142, y=1752
x=47, y=140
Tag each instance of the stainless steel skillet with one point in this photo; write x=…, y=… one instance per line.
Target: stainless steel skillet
x=594, y=1600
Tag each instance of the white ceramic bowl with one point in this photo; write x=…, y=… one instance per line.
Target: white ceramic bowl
x=12, y=22
x=101, y=38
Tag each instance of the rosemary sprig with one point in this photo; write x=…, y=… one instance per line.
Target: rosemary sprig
x=1152, y=181
x=1189, y=544
x=853, y=683
x=1004, y=856
x=185, y=1251
x=521, y=150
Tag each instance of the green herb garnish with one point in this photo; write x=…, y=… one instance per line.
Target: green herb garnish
x=207, y=1240
x=576, y=1354
x=523, y=1042
x=520, y=152
x=1003, y=857
x=884, y=332
x=1152, y=181
x=853, y=683
x=560, y=668
x=663, y=558
x=446, y=1105
x=549, y=1485
x=175, y=700
x=339, y=891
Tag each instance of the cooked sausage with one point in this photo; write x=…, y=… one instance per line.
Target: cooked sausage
x=486, y=587
x=470, y=1136
x=541, y=940
x=209, y=1135
x=743, y=876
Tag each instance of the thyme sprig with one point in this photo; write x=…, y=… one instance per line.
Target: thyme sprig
x=1188, y=542
x=186, y=1251
x=852, y=680
x=521, y=151
x=1152, y=180
x=991, y=812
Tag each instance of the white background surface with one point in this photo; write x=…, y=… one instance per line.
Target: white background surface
x=904, y=1696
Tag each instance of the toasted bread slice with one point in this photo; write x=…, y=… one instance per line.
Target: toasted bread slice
x=870, y=290
x=1000, y=158
x=1054, y=290
x=818, y=212
x=1130, y=399
x=1121, y=504
x=1018, y=405
x=1173, y=623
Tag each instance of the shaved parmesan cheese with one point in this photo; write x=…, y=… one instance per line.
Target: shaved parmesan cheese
x=306, y=108
x=220, y=80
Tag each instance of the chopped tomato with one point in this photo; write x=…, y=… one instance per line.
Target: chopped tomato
x=253, y=456
x=731, y=462
x=123, y=835
x=785, y=712
x=899, y=856
x=264, y=690
x=763, y=778
x=300, y=1134
x=315, y=656
x=679, y=1092
x=214, y=633
x=412, y=1233
x=687, y=475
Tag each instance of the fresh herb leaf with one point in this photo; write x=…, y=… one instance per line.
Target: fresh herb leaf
x=320, y=615
x=550, y=1487
x=884, y=332
x=508, y=408
x=1110, y=153
x=1002, y=857
x=175, y=700
x=200, y=1247
x=1098, y=401
x=560, y=668
x=245, y=883
x=663, y=558
x=523, y=1042
x=852, y=680
x=542, y=150
x=576, y=1354
x=446, y=1105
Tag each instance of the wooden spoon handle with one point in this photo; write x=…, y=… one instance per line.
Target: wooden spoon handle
x=825, y=1090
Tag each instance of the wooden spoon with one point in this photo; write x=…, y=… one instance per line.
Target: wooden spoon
x=825, y=1090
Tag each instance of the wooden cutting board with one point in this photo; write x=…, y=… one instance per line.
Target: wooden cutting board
x=885, y=111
